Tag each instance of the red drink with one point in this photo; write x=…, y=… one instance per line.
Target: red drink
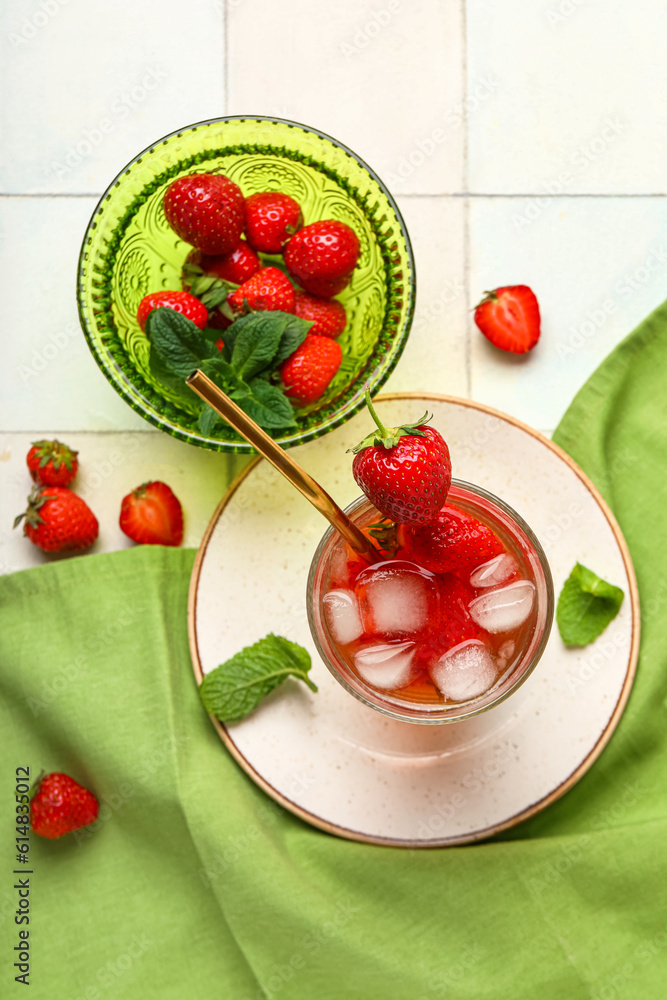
x=429, y=646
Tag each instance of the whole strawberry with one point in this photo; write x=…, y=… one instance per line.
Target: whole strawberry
x=57, y=520
x=271, y=219
x=267, y=289
x=61, y=805
x=181, y=302
x=454, y=542
x=328, y=316
x=52, y=463
x=404, y=471
x=206, y=210
x=152, y=515
x=309, y=371
x=236, y=266
x=322, y=256
x=510, y=318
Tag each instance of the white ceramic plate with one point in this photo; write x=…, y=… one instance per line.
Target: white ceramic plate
x=342, y=766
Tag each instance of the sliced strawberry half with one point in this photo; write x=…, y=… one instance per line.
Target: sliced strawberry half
x=152, y=515
x=510, y=318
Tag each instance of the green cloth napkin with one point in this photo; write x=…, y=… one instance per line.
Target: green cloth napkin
x=195, y=884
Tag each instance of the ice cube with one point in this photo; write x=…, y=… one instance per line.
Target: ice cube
x=386, y=665
x=396, y=597
x=495, y=571
x=504, y=609
x=505, y=653
x=466, y=671
x=339, y=574
x=341, y=612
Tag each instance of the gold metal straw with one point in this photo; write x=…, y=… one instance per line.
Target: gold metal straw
x=281, y=461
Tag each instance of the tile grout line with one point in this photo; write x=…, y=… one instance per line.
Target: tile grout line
x=466, y=203
x=398, y=194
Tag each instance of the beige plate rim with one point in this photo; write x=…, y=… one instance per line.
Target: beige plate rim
x=530, y=810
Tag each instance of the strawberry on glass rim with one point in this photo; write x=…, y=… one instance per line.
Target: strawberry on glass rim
x=509, y=317
x=404, y=471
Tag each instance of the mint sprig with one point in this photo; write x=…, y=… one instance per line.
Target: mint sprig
x=586, y=606
x=236, y=687
x=254, y=347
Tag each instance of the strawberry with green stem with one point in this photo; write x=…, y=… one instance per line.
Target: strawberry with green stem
x=52, y=463
x=404, y=471
x=57, y=520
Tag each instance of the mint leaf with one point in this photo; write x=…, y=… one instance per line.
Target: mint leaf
x=237, y=686
x=293, y=336
x=266, y=404
x=161, y=372
x=179, y=343
x=586, y=606
x=257, y=337
x=208, y=420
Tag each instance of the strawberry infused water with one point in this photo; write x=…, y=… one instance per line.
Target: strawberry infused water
x=456, y=611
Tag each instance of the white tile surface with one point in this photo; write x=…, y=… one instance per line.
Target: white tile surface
x=542, y=82
x=434, y=358
x=565, y=70
x=48, y=377
x=87, y=86
x=597, y=265
x=379, y=76
x=110, y=466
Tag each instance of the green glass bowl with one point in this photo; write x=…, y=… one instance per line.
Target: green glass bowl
x=129, y=250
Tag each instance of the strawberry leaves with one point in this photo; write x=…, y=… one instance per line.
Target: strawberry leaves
x=254, y=346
